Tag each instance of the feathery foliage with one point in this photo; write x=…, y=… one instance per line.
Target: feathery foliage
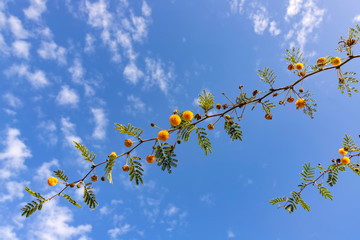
x=267, y=76
x=349, y=143
x=129, y=130
x=136, y=171
x=85, y=152
x=294, y=56
x=89, y=196
x=60, y=174
x=310, y=107
x=308, y=173
x=333, y=175
x=67, y=197
x=233, y=130
x=347, y=80
x=108, y=169
x=33, y=206
x=186, y=130
x=165, y=157
x=206, y=101
x=267, y=106
x=204, y=141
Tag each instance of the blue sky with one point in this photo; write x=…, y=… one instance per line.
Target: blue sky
x=70, y=69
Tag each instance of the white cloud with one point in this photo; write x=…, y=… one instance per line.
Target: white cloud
x=69, y=131
x=357, y=18
x=36, y=8
x=230, y=234
x=171, y=210
x=260, y=18
x=236, y=6
x=12, y=158
x=105, y=210
x=15, y=189
x=145, y=9
x=136, y=105
x=36, y=78
x=17, y=29
x=89, y=43
x=3, y=46
x=77, y=71
x=132, y=73
x=293, y=8
x=98, y=15
x=52, y=51
x=21, y=49
x=274, y=31
x=9, y=112
x=6, y=233
x=67, y=96
x=311, y=18
x=100, y=122
x=54, y=222
x=13, y=101
x=118, y=231
x=208, y=199
x=156, y=75
x=47, y=132
x=46, y=170
x=140, y=28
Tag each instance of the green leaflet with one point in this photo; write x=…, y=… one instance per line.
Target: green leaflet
x=206, y=101
x=267, y=76
x=136, y=170
x=108, y=169
x=85, y=152
x=89, y=196
x=129, y=130
x=233, y=130
x=204, y=141
x=60, y=174
x=165, y=157
x=67, y=197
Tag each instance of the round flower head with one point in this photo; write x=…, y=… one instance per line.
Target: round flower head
x=268, y=116
x=112, y=156
x=52, y=181
x=150, y=158
x=345, y=160
x=290, y=99
x=128, y=143
x=163, y=135
x=321, y=62
x=291, y=67
x=175, y=120
x=299, y=66
x=300, y=103
x=336, y=61
x=126, y=168
x=210, y=126
x=342, y=151
x=94, y=178
x=188, y=115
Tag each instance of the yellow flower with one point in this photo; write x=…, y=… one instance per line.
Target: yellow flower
x=163, y=135
x=299, y=66
x=112, y=156
x=188, y=115
x=125, y=168
x=52, y=181
x=175, y=120
x=336, y=61
x=128, y=143
x=300, y=103
x=345, y=160
x=321, y=62
x=342, y=151
x=150, y=158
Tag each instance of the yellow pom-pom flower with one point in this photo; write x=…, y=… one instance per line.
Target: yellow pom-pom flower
x=342, y=151
x=163, y=135
x=112, y=156
x=188, y=115
x=321, y=62
x=52, y=181
x=300, y=103
x=150, y=158
x=345, y=160
x=128, y=143
x=175, y=120
x=299, y=66
x=336, y=61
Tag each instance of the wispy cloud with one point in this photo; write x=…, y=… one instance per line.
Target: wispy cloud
x=69, y=131
x=230, y=234
x=89, y=43
x=156, y=74
x=171, y=210
x=47, y=132
x=67, y=96
x=132, y=72
x=77, y=71
x=118, y=231
x=260, y=18
x=14, y=189
x=7, y=232
x=45, y=170
x=12, y=100
x=208, y=199
x=135, y=105
x=100, y=123
x=21, y=49
x=52, y=51
x=12, y=158
x=37, y=78
x=357, y=18
x=17, y=29
x=236, y=6
x=36, y=8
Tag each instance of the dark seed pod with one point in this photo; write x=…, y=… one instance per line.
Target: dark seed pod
x=178, y=141
x=291, y=67
x=218, y=106
x=341, y=80
x=154, y=147
x=225, y=106
x=338, y=160
x=231, y=122
x=94, y=178
x=255, y=92
x=346, y=149
x=79, y=185
x=152, y=124
x=240, y=86
x=103, y=178
x=275, y=94
x=301, y=90
x=172, y=147
x=72, y=185
x=268, y=116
